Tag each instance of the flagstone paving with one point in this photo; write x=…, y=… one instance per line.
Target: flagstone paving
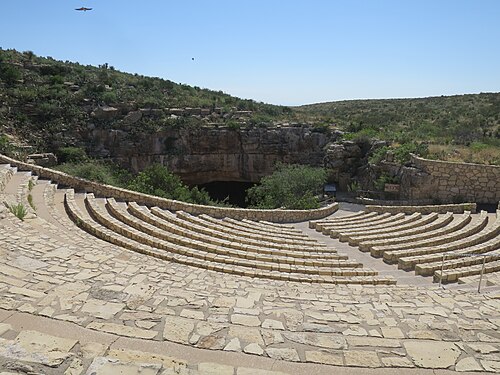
x=53, y=271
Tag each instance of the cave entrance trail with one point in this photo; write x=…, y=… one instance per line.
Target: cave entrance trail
x=235, y=191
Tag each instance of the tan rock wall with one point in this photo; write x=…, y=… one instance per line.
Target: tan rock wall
x=448, y=181
x=442, y=208
x=278, y=216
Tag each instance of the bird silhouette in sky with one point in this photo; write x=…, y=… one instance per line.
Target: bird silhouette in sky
x=83, y=9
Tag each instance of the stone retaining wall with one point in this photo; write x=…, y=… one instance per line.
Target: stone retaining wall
x=449, y=181
x=277, y=216
x=443, y=208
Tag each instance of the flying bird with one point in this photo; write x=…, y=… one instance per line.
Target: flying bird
x=83, y=8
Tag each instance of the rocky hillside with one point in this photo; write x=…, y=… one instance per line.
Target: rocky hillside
x=47, y=103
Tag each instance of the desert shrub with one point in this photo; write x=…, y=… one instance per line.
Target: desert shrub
x=102, y=172
x=71, y=155
x=290, y=186
x=378, y=155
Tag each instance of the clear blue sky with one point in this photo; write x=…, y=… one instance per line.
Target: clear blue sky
x=278, y=51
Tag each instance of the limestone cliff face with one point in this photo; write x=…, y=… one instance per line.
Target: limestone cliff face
x=209, y=154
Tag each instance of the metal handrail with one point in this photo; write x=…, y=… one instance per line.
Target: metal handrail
x=466, y=256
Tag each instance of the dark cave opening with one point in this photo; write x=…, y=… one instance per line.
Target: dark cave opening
x=234, y=191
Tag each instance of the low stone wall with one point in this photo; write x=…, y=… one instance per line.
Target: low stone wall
x=448, y=181
x=80, y=184
x=441, y=209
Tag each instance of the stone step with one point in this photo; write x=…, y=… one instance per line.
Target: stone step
x=204, y=243
x=428, y=264
x=393, y=253
x=280, y=273
x=190, y=230
x=378, y=247
x=415, y=227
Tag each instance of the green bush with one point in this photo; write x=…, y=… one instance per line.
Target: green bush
x=157, y=180
x=378, y=155
x=102, y=172
x=385, y=179
x=9, y=74
x=71, y=155
x=290, y=186
x=402, y=153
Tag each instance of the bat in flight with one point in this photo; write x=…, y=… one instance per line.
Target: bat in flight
x=83, y=9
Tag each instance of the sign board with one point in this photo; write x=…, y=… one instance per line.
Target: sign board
x=391, y=188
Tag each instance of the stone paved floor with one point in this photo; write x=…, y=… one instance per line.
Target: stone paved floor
x=52, y=269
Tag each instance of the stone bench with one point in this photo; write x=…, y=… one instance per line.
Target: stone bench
x=366, y=277
x=6, y=173
x=453, y=275
x=428, y=222
x=460, y=259
x=371, y=217
x=392, y=253
x=202, y=242
x=378, y=247
x=395, y=220
x=201, y=250
x=354, y=216
x=221, y=224
x=203, y=233
x=440, y=222
x=270, y=227
x=409, y=262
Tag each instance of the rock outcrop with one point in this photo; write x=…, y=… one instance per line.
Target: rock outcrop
x=201, y=155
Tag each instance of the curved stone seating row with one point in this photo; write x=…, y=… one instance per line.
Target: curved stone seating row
x=489, y=252
x=145, y=233
x=378, y=247
x=253, y=228
x=203, y=242
x=424, y=225
x=456, y=208
x=102, y=224
x=389, y=222
x=392, y=253
x=227, y=226
x=173, y=224
x=452, y=275
x=383, y=222
x=420, y=244
x=6, y=173
x=351, y=219
x=420, y=255
x=268, y=226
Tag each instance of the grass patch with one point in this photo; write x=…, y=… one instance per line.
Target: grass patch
x=17, y=210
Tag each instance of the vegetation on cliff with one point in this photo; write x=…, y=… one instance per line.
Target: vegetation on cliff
x=456, y=128
x=48, y=103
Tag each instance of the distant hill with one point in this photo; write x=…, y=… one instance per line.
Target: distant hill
x=48, y=104
x=459, y=119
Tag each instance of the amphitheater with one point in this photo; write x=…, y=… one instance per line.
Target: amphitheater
x=100, y=280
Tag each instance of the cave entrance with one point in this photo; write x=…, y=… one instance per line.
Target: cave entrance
x=235, y=191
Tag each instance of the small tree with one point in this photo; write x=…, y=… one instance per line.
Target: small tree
x=157, y=180
x=290, y=186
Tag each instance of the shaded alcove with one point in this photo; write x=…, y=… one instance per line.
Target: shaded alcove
x=234, y=190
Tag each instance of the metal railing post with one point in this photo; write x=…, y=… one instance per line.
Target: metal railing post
x=481, y=277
